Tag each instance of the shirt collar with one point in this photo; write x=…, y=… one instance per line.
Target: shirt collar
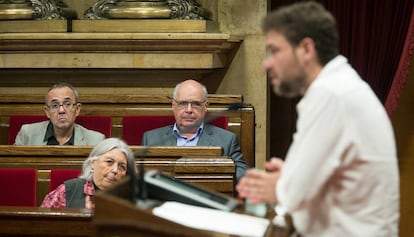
x=178, y=134
x=89, y=188
x=51, y=139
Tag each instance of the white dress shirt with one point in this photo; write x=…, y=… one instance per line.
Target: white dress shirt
x=341, y=175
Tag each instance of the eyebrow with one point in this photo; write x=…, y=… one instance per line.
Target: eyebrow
x=65, y=99
x=110, y=157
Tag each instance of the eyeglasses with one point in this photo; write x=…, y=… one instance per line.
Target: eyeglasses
x=67, y=105
x=183, y=104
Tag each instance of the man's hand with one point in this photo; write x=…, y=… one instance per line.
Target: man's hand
x=259, y=186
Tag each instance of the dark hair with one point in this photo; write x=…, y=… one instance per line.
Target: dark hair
x=306, y=19
x=63, y=84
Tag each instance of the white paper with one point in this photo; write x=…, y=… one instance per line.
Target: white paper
x=212, y=220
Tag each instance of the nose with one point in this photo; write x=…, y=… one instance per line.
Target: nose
x=266, y=63
x=115, y=168
x=61, y=108
x=189, y=107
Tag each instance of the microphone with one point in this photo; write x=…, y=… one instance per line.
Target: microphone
x=237, y=106
x=137, y=184
x=232, y=107
x=142, y=191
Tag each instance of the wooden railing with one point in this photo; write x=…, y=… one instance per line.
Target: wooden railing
x=41, y=222
x=203, y=166
x=241, y=121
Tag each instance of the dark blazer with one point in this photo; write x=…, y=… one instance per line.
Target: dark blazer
x=75, y=197
x=211, y=136
x=34, y=133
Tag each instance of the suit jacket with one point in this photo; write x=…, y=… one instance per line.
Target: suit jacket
x=210, y=136
x=34, y=133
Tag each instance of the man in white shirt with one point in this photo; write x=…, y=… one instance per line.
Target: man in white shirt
x=340, y=176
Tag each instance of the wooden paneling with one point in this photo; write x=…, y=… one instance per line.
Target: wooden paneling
x=241, y=121
x=203, y=166
x=133, y=59
x=43, y=222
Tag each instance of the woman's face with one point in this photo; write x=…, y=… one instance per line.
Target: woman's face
x=109, y=168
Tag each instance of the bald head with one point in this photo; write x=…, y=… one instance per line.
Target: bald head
x=192, y=86
x=189, y=106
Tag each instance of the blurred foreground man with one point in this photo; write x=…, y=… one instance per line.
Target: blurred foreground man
x=340, y=176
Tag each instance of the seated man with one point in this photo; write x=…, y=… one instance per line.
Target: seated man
x=190, y=107
x=62, y=107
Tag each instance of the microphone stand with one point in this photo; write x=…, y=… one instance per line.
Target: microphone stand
x=139, y=186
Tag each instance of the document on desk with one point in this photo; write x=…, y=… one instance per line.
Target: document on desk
x=212, y=220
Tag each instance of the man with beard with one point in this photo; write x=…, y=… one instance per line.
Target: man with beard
x=62, y=107
x=340, y=176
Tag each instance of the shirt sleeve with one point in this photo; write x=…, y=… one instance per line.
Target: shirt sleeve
x=237, y=156
x=56, y=198
x=20, y=137
x=315, y=153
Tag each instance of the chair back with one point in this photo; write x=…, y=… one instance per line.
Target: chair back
x=101, y=124
x=134, y=127
x=59, y=176
x=16, y=122
x=19, y=186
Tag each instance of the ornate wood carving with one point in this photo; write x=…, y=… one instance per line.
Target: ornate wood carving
x=141, y=9
x=32, y=9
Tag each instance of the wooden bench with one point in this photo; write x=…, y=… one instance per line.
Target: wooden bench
x=241, y=121
x=42, y=222
x=204, y=166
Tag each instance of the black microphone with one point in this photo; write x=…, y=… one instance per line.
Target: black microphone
x=238, y=106
x=232, y=107
x=137, y=184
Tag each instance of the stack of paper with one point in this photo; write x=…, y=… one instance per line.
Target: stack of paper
x=212, y=220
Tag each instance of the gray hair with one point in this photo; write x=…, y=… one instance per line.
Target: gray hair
x=103, y=147
x=205, y=93
x=61, y=85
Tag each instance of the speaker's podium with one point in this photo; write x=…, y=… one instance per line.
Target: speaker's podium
x=117, y=215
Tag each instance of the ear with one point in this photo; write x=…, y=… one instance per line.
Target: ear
x=307, y=49
x=206, y=105
x=78, y=108
x=46, y=111
x=92, y=163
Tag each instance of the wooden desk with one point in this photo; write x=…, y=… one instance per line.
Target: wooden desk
x=116, y=215
x=40, y=222
x=76, y=222
x=203, y=166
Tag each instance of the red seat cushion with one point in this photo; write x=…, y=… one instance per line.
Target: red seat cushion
x=16, y=122
x=133, y=127
x=101, y=124
x=18, y=187
x=58, y=176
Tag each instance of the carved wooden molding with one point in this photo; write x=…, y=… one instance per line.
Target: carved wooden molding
x=32, y=9
x=141, y=9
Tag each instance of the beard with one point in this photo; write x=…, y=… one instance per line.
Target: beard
x=290, y=87
x=292, y=83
